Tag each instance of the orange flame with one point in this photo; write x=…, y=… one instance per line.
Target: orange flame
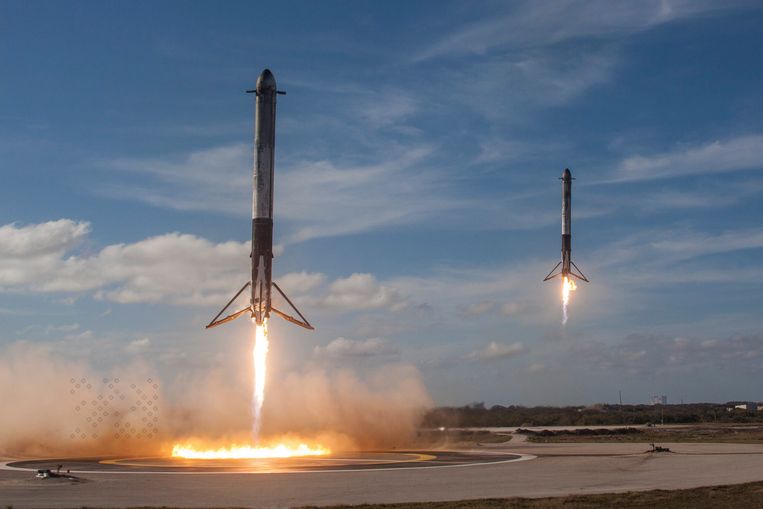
x=280, y=450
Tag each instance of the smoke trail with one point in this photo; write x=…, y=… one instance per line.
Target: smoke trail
x=260, y=355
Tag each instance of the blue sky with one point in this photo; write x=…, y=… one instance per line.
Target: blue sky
x=417, y=200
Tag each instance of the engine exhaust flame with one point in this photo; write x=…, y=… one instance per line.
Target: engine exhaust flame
x=568, y=285
x=188, y=451
x=260, y=356
x=275, y=449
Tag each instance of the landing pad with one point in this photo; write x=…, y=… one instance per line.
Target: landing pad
x=338, y=462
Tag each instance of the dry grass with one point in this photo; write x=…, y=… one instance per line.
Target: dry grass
x=748, y=496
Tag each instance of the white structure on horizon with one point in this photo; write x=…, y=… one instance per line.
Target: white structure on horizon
x=659, y=400
x=750, y=407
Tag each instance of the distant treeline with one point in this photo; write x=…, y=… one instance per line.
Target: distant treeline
x=478, y=415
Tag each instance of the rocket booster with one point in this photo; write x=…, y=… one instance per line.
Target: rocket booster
x=261, y=282
x=568, y=267
x=262, y=199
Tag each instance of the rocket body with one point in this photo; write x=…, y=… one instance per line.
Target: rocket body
x=261, y=282
x=262, y=199
x=566, y=221
x=566, y=267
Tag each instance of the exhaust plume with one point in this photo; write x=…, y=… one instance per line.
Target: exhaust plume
x=339, y=408
x=260, y=354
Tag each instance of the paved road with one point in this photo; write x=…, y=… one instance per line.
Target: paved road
x=558, y=469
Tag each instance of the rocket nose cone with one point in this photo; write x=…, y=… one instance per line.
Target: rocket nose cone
x=567, y=173
x=266, y=81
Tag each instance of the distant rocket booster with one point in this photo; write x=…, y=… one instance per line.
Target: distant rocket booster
x=566, y=262
x=261, y=282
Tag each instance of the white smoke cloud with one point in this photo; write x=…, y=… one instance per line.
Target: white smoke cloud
x=55, y=406
x=380, y=409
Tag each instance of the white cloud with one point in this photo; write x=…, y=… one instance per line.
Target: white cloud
x=650, y=354
x=531, y=55
x=87, y=334
x=47, y=330
x=514, y=308
x=362, y=292
x=388, y=108
x=216, y=179
x=535, y=368
x=734, y=154
x=314, y=198
x=300, y=283
x=720, y=194
x=532, y=24
x=501, y=150
x=479, y=308
x=343, y=347
x=40, y=240
x=542, y=79
x=138, y=346
x=324, y=199
x=495, y=351
x=656, y=251
x=171, y=268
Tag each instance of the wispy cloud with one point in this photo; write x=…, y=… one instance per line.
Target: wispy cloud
x=532, y=24
x=528, y=55
x=353, y=348
x=47, y=330
x=649, y=249
x=733, y=154
x=321, y=198
x=138, y=346
x=496, y=351
x=649, y=353
x=325, y=199
x=515, y=84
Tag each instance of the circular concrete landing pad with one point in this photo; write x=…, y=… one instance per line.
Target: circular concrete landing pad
x=338, y=462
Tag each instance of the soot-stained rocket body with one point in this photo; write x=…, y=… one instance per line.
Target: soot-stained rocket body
x=261, y=282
